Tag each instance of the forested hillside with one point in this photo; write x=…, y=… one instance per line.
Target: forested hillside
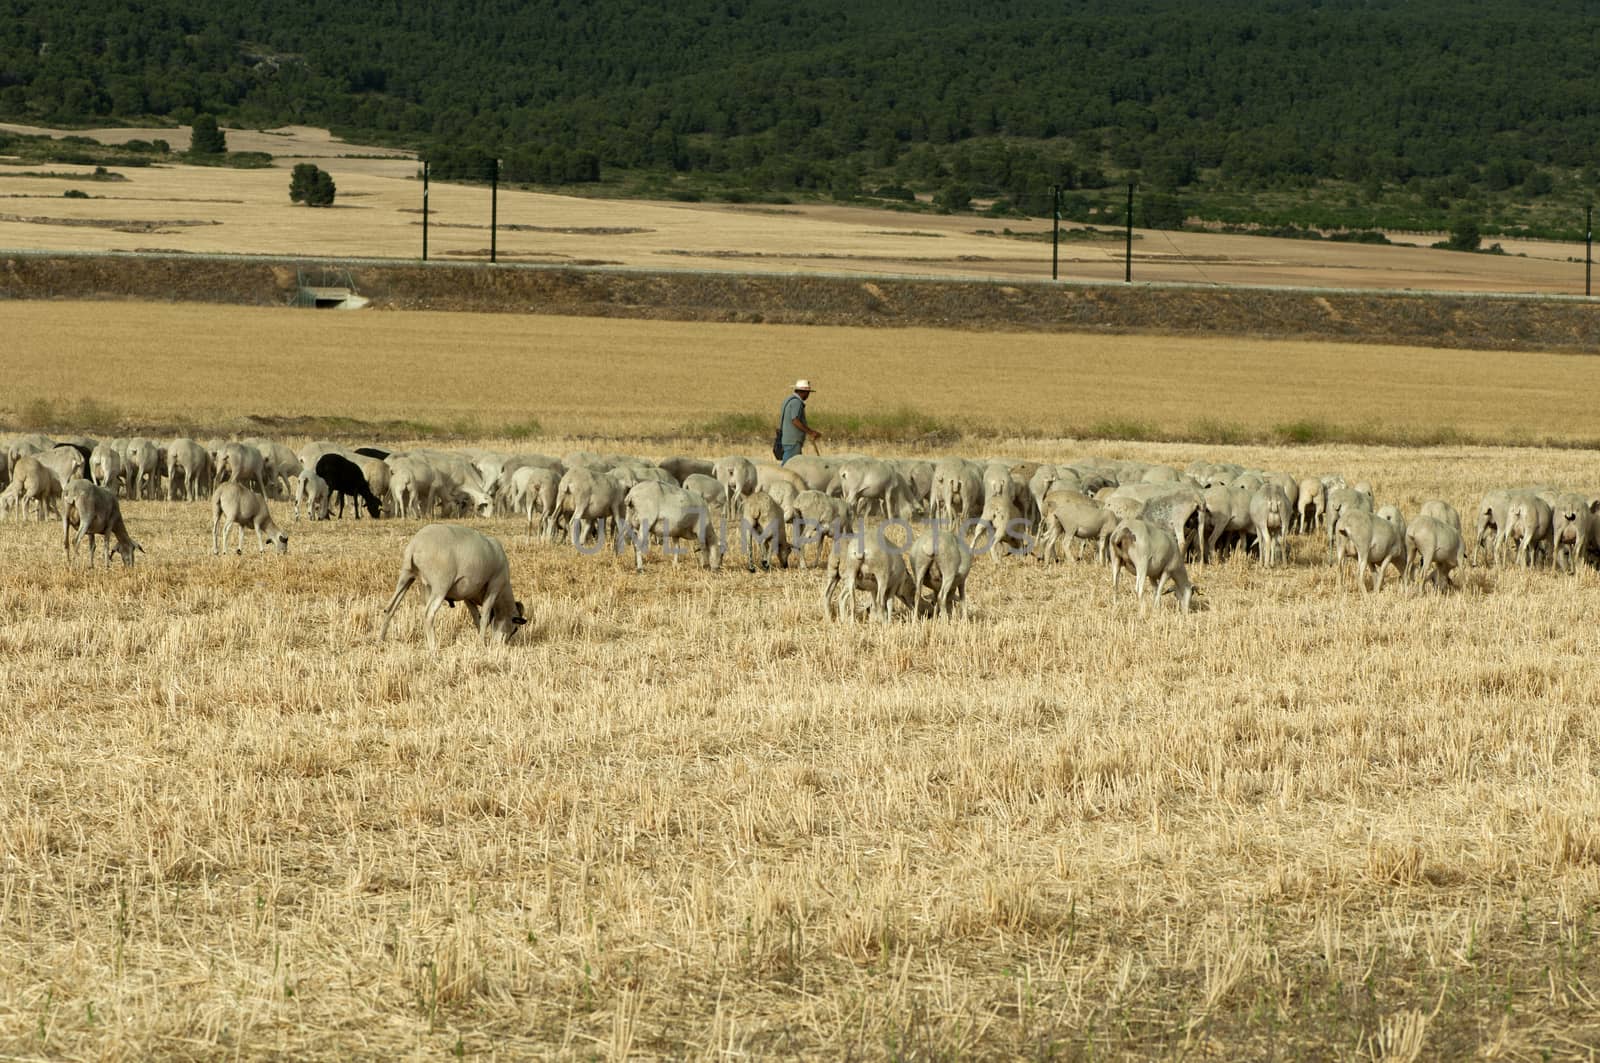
x=1380, y=113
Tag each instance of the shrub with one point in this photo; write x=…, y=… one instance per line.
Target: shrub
x=1464, y=236
x=207, y=138
x=953, y=197
x=311, y=185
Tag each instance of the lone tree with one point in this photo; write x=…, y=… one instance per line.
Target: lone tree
x=1464, y=235
x=207, y=139
x=311, y=185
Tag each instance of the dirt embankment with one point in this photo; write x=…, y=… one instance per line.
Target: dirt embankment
x=1470, y=321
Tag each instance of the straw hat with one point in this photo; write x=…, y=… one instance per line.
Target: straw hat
x=803, y=385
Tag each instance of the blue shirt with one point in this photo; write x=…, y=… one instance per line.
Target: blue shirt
x=794, y=408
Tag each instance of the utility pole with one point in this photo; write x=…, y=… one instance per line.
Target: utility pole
x=1055, y=237
x=1588, y=246
x=1127, y=255
x=494, y=209
x=424, y=210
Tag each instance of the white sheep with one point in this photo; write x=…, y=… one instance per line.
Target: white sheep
x=1150, y=550
x=94, y=511
x=32, y=482
x=234, y=505
x=189, y=463
x=673, y=513
x=459, y=564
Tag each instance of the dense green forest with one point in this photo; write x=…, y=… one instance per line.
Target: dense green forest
x=1338, y=113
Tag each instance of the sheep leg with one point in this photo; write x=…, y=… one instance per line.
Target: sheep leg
x=261, y=544
x=434, y=605
x=407, y=577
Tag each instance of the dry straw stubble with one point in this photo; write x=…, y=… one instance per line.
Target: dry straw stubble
x=683, y=817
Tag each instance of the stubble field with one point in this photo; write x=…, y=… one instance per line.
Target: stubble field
x=683, y=816
x=175, y=207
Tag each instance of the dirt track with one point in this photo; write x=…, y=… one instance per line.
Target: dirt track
x=1467, y=321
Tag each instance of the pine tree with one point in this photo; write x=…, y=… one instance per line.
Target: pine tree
x=207, y=139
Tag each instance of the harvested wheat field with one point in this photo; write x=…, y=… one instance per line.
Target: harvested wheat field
x=475, y=374
x=174, y=207
x=681, y=815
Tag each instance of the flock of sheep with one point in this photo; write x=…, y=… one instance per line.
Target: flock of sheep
x=905, y=531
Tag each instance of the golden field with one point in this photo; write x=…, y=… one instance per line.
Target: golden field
x=208, y=366
x=683, y=816
x=204, y=209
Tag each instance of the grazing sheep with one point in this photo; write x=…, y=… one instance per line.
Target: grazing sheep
x=816, y=472
x=768, y=475
x=1442, y=512
x=1080, y=519
x=68, y=463
x=312, y=490
x=1185, y=509
x=706, y=487
x=593, y=498
x=1435, y=548
x=105, y=467
x=94, y=511
x=1529, y=523
x=764, y=531
x=1374, y=542
x=1150, y=549
x=737, y=477
x=867, y=480
x=459, y=564
x=344, y=477
x=1571, y=529
x=412, y=482
x=867, y=562
x=1492, y=512
x=377, y=473
x=673, y=513
x=533, y=488
x=234, y=505
x=1313, y=505
x=189, y=463
x=280, y=465
x=1270, y=513
x=32, y=482
x=818, y=518
x=784, y=493
x=682, y=468
x=941, y=562
x=243, y=463
x=25, y=446
x=1004, y=532
x=1342, y=500
x=957, y=490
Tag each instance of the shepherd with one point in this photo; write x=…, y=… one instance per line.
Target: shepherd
x=792, y=428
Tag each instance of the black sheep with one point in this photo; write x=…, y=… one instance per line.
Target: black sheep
x=344, y=477
x=372, y=452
